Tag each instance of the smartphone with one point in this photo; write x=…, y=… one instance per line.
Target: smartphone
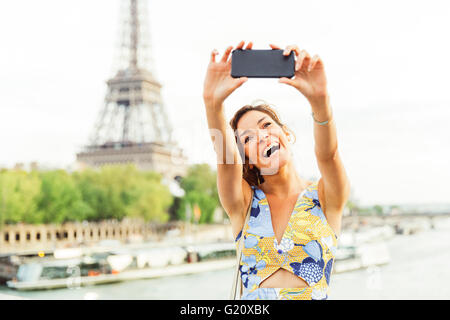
x=262, y=64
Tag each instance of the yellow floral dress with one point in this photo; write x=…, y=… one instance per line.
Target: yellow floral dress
x=307, y=249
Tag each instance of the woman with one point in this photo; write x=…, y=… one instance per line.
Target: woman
x=291, y=237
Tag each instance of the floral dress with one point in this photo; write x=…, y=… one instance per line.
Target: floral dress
x=307, y=249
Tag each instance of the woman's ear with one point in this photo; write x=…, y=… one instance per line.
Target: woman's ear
x=288, y=134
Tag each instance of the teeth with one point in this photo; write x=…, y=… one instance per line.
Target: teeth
x=268, y=147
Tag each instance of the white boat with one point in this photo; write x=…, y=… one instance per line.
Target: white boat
x=349, y=258
x=159, y=257
x=212, y=250
x=59, y=273
x=122, y=265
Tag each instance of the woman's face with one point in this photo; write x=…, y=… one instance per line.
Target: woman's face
x=264, y=141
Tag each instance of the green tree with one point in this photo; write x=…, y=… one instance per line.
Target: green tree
x=200, y=185
x=56, y=196
x=153, y=200
x=18, y=196
x=60, y=200
x=116, y=191
x=93, y=194
x=107, y=191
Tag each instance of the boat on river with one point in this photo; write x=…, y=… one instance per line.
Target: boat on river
x=354, y=257
x=122, y=265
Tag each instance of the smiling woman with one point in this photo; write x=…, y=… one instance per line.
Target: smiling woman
x=286, y=226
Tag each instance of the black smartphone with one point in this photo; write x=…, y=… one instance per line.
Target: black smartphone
x=262, y=64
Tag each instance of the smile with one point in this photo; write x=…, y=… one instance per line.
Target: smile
x=270, y=150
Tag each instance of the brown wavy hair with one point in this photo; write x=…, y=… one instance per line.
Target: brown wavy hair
x=253, y=176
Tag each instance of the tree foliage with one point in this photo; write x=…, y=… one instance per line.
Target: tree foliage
x=59, y=199
x=18, y=196
x=56, y=196
x=200, y=186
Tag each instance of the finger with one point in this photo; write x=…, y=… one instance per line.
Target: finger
x=249, y=46
x=302, y=61
x=240, y=45
x=239, y=81
x=273, y=46
x=290, y=48
x=213, y=55
x=226, y=54
x=314, y=62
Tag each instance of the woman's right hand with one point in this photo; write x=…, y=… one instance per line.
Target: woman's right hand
x=218, y=83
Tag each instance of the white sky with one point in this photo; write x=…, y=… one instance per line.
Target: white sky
x=387, y=65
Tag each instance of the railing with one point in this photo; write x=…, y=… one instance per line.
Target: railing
x=22, y=238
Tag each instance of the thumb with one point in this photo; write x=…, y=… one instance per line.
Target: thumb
x=239, y=81
x=286, y=81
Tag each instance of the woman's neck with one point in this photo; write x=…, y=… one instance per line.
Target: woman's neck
x=284, y=183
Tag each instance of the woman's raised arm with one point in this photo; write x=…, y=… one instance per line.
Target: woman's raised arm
x=310, y=80
x=234, y=191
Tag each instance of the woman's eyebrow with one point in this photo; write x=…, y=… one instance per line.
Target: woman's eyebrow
x=261, y=120
x=256, y=123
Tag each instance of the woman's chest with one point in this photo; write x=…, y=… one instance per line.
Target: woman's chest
x=281, y=211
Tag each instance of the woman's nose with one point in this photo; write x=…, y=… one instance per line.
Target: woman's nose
x=264, y=136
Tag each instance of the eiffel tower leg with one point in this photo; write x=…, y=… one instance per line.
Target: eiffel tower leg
x=155, y=110
x=99, y=124
x=126, y=117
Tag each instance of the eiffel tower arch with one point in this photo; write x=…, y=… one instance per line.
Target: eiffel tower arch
x=133, y=126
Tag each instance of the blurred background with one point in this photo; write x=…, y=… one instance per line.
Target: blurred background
x=107, y=171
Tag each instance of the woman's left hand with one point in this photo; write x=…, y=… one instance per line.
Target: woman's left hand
x=309, y=77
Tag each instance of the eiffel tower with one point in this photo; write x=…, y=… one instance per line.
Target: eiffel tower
x=133, y=126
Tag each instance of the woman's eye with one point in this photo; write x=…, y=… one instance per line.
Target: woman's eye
x=265, y=124
x=247, y=139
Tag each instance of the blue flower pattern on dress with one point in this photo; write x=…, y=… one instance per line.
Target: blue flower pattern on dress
x=314, y=250
x=317, y=211
x=249, y=270
x=250, y=241
x=257, y=218
x=257, y=228
x=309, y=270
x=327, y=270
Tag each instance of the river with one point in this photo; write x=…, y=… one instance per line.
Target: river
x=419, y=269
